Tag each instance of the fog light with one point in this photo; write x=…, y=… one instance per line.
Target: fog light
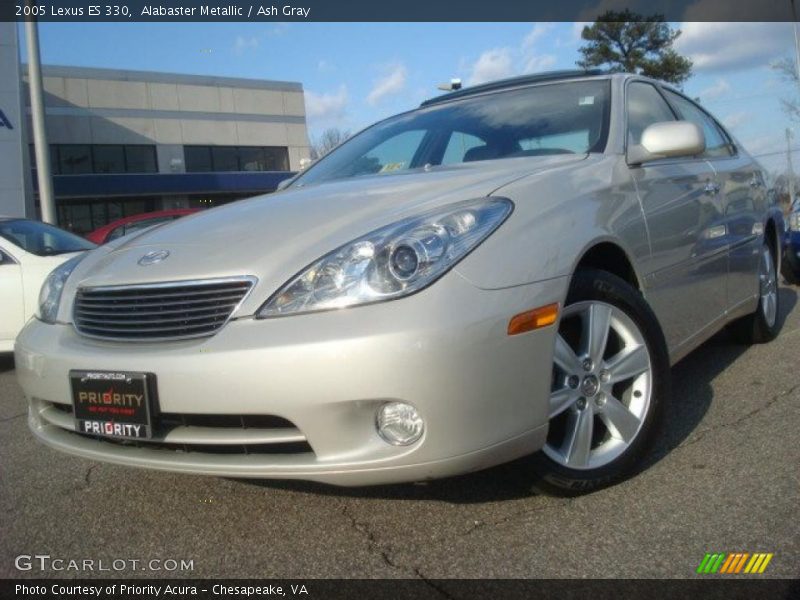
x=399, y=424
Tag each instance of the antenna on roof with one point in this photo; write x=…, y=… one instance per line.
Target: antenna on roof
x=455, y=84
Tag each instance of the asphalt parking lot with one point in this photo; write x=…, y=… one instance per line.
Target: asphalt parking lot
x=724, y=478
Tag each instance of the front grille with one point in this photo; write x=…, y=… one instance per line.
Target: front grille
x=164, y=311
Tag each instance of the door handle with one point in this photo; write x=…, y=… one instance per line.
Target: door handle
x=711, y=188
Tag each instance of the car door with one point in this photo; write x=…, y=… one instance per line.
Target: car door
x=744, y=199
x=12, y=315
x=685, y=274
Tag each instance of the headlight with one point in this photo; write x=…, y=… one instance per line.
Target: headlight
x=50, y=294
x=391, y=262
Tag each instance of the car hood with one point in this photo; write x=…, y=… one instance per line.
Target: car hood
x=273, y=237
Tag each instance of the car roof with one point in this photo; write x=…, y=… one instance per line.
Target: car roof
x=515, y=82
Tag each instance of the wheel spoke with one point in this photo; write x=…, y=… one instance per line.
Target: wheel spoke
x=622, y=423
x=629, y=363
x=578, y=441
x=565, y=357
x=596, y=327
x=561, y=399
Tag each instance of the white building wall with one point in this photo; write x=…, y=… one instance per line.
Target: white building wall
x=91, y=109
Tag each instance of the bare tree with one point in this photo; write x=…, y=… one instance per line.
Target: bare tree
x=326, y=142
x=791, y=106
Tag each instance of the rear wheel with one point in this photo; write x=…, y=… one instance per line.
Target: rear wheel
x=610, y=384
x=762, y=326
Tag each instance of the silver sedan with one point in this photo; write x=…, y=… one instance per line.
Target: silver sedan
x=508, y=270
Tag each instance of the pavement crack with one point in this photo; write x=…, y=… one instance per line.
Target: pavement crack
x=88, y=476
x=12, y=417
x=373, y=543
x=433, y=584
x=759, y=409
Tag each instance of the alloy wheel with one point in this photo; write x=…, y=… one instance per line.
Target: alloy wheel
x=602, y=386
x=768, y=282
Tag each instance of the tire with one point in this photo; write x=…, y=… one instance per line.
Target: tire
x=763, y=325
x=790, y=272
x=619, y=403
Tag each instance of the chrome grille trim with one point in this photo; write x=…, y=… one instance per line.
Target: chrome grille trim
x=159, y=312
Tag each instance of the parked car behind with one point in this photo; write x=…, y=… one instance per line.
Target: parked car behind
x=133, y=223
x=791, y=246
x=506, y=270
x=29, y=251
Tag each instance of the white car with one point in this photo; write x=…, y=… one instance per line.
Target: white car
x=29, y=251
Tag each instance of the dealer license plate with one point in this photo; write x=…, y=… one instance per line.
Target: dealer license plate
x=111, y=404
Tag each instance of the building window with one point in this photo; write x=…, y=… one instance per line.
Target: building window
x=252, y=159
x=140, y=159
x=74, y=159
x=225, y=158
x=109, y=159
x=84, y=215
x=81, y=159
x=200, y=159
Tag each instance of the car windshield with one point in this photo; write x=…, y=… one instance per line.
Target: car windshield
x=42, y=239
x=560, y=118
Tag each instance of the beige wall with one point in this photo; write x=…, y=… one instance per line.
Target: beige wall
x=88, y=110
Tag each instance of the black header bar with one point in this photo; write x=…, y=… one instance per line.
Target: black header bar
x=148, y=11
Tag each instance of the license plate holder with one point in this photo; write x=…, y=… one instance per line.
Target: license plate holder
x=113, y=404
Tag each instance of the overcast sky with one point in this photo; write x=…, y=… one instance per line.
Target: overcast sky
x=354, y=74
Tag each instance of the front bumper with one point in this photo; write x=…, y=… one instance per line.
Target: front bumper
x=483, y=394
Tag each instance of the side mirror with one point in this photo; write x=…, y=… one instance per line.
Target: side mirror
x=671, y=139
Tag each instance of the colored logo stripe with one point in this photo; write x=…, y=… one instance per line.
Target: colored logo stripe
x=734, y=562
x=758, y=563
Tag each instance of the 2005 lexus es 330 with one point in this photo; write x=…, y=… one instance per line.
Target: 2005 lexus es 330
x=509, y=269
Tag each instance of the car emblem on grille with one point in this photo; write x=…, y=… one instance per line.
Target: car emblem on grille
x=151, y=258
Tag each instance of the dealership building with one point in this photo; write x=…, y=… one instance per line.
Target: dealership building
x=126, y=142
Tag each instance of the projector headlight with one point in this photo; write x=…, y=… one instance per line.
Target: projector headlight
x=391, y=262
x=53, y=286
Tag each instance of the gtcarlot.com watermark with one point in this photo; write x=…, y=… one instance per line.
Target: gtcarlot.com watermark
x=45, y=562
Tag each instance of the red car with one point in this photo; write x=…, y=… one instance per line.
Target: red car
x=133, y=223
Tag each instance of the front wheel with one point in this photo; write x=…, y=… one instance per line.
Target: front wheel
x=609, y=388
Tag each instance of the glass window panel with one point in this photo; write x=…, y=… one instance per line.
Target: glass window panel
x=458, y=146
x=276, y=159
x=252, y=159
x=108, y=158
x=716, y=144
x=418, y=138
x=197, y=159
x=141, y=159
x=74, y=159
x=225, y=158
x=645, y=107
